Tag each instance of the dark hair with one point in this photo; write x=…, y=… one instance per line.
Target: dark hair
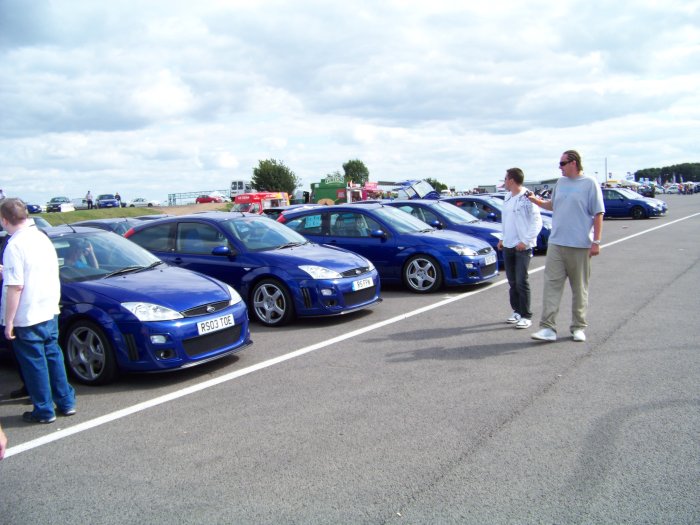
x=13, y=210
x=573, y=155
x=516, y=175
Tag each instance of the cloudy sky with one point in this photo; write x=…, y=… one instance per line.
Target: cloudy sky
x=153, y=97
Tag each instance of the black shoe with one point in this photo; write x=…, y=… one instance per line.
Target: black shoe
x=31, y=418
x=20, y=392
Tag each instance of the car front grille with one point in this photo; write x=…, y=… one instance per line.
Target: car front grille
x=205, y=309
x=360, y=296
x=209, y=342
x=355, y=271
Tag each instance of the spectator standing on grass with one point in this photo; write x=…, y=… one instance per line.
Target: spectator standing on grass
x=29, y=312
x=522, y=223
x=577, y=226
x=88, y=199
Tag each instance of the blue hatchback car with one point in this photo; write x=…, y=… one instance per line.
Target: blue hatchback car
x=123, y=309
x=277, y=271
x=403, y=248
x=445, y=216
x=623, y=202
x=490, y=209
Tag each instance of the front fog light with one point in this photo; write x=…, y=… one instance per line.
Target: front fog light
x=469, y=266
x=327, y=292
x=158, y=339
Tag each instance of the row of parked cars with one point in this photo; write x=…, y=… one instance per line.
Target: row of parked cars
x=177, y=291
x=105, y=200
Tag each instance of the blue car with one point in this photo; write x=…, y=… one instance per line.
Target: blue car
x=116, y=224
x=107, y=200
x=445, y=216
x=278, y=272
x=123, y=309
x=622, y=202
x=490, y=209
x=403, y=248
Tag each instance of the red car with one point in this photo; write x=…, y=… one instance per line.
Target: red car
x=209, y=198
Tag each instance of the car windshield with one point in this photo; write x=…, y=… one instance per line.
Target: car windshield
x=628, y=193
x=496, y=203
x=401, y=221
x=90, y=256
x=259, y=234
x=105, y=196
x=455, y=213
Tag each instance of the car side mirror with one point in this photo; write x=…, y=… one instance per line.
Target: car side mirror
x=437, y=224
x=378, y=234
x=491, y=217
x=222, y=251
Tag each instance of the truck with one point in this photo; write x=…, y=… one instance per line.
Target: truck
x=258, y=201
x=334, y=190
x=240, y=186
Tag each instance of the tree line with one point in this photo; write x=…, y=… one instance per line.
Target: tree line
x=689, y=171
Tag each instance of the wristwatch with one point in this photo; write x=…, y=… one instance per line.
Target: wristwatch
x=596, y=242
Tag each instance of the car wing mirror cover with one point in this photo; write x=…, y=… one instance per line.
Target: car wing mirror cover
x=437, y=224
x=378, y=233
x=222, y=250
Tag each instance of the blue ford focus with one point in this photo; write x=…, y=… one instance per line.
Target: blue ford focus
x=279, y=273
x=404, y=249
x=123, y=309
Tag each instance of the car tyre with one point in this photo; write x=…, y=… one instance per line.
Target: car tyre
x=638, y=213
x=89, y=354
x=422, y=274
x=271, y=303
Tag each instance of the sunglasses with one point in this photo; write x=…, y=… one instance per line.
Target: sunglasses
x=562, y=164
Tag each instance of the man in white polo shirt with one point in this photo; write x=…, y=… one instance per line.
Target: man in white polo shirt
x=30, y=295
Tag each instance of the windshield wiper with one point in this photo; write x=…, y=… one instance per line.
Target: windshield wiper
x=126, y=269
x=291, y=245
x=150, y=266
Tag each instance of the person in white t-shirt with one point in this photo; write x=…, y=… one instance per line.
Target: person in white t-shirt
x=29, y=312
x=521, y=223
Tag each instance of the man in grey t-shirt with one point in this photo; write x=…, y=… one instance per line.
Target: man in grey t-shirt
x=577, y=224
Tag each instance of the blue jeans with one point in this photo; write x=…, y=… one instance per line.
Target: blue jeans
x=516, y=264
x=41, y=360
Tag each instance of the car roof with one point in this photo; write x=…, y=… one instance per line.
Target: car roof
x=67, y=229
x=108, y=220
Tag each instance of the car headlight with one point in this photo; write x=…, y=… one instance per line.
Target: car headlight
x=498, y=235
x=370, y=265
x=152, y=312
x=319, y=272
x=235, y=296
x=463, y=250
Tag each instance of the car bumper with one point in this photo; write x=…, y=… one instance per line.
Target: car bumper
x=166, y=345
x=321, y=297
x=469, y=270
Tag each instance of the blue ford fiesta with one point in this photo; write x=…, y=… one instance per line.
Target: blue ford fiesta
x=123, y=309
x=404, y=249
x=278, y=272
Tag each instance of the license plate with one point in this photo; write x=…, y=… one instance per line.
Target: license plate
x=362, y=284
x=490, y=259
x=214, y=325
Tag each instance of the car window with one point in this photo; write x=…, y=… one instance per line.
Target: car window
x=308, y=224
x=261, y=234
x=198, y=238
x=157, y=238
x=351, y=224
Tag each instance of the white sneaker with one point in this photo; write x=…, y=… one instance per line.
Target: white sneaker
x=524, y=323
x=514, y=318
x=579, y=336
x=546, y=334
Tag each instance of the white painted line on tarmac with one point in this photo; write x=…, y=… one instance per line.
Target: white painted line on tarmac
x=113, y=416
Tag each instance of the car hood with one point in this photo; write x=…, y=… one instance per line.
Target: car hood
x=329, y=257
x=442, y=237
x=168, y=286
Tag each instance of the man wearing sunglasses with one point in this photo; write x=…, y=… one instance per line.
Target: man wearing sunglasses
x=577, y=225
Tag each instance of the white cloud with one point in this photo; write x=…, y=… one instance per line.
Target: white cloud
x=166, y=96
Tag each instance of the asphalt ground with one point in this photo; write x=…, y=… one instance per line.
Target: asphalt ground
x=425, y=409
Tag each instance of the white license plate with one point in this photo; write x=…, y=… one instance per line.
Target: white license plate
x=490, y=259
x=214, y=325
x=362, y=284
